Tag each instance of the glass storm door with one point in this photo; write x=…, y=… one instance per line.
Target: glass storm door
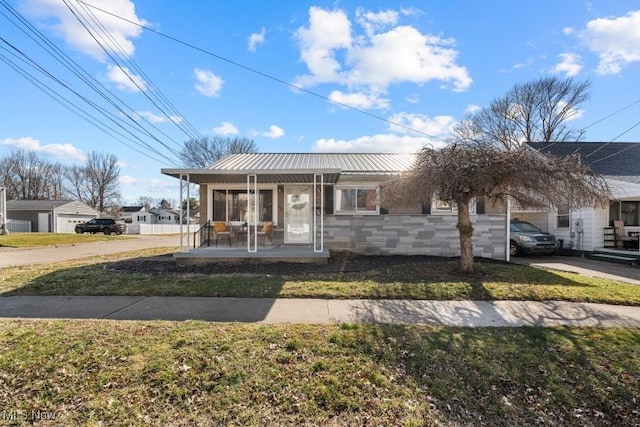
x=297, y=215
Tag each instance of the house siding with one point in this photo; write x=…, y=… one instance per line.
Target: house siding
x=413, y=235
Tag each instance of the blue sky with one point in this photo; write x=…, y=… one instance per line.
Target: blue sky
x=422, y=65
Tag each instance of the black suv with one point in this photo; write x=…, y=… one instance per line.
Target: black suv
x=101, y=225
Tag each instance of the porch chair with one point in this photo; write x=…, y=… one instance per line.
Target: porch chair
x=266, y=232
x=220, y=229
x=621, y=235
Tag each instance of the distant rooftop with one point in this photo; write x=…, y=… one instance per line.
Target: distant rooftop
x=613, y=159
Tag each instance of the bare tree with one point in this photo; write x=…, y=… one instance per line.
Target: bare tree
x=96, y=182
x=164, y=204
x=146, y=202
x=488, y=160
x=26, y=175
x=202, y=152
x=537, y=111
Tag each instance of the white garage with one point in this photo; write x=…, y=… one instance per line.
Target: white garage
x=55, y=216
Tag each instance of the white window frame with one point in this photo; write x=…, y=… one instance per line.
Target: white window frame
x=232, y=187
x=566, y=215
x=338, y=200
x=449, y=208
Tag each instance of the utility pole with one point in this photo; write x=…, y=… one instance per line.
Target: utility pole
x=3, y=211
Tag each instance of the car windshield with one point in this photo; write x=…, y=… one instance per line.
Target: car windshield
x=525, y=227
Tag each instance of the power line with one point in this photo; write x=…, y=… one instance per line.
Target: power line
x=85, y=77
x=67, y=104
x=263, y=74
x=151, y=89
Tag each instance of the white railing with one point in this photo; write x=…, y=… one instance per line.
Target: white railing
x=153, y=228
x=18, y=226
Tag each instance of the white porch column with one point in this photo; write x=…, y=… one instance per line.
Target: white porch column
x=252, y=212
x=184, y=198
x=318, y=212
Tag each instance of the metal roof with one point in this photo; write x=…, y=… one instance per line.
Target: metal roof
x=35, y=205
x=347, y=163
x=296, y=167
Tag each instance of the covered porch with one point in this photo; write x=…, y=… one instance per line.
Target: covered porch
x=250, y=214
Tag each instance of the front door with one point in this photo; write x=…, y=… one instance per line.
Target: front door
x=297, y=215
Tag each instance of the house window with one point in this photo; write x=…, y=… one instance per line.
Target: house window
x=629, y=212
x=441, y=207
x=357, y=200
x=562, y=217
x=231, y=205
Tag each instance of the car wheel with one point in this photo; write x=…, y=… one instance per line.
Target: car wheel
x=118, y=233
x=107, y=231
x=514, y=249
x=79, y=230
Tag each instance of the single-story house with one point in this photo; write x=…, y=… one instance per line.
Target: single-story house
x=131, y=214
x=55, y=216
x=331, y=201
x=140, y=215
x=592, y=228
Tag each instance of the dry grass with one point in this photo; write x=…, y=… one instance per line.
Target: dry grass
x=193, y=373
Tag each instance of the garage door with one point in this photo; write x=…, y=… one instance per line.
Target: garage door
x=67, y=223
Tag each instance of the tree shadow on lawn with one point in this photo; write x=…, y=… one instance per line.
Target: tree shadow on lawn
x=412, y=277
x=512, y=376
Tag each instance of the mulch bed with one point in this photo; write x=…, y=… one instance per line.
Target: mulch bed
x=339, y=262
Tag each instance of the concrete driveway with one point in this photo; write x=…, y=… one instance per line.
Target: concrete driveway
x=44, y=255
x=586, y=266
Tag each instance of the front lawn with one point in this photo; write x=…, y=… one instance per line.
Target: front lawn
x=149, y=274
x=194, y=373
x=30, y=240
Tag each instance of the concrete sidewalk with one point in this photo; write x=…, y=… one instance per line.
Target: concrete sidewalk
x=269, y=310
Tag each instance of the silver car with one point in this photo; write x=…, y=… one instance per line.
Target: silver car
x=527, y=238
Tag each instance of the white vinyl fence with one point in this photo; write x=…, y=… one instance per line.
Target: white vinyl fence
x=156, y=228
x=18, y=226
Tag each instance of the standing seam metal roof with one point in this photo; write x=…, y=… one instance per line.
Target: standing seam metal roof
x=347, y=163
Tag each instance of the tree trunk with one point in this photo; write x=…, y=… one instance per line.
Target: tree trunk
x=466, y=231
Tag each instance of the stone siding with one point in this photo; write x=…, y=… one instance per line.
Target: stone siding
x=435, y=235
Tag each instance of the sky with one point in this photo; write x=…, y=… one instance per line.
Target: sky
x=136, y=78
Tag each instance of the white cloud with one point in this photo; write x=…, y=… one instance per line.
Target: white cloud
x=274, y=132
x=256, y=39
x=382, y=143
x=568, y=31
x=124, y=79
x=327, y=31
x=208, y=84
x=437, y=126
x=54, y=15
x=226, y=128
x=58, y=151
x=132, y=188
x=333, y=53
x=569, y=65
x=615, y=40
x=157, y=118
x=373, y=22
x=359, y=100
x=472, y=109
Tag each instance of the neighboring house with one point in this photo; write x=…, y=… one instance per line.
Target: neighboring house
x=140, y=215
x=55, y=216
x=591, y=228
x=133, y=214
x=331, y=201
x=164, y=216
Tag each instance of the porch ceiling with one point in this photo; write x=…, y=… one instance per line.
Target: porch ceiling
x=264, y=177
